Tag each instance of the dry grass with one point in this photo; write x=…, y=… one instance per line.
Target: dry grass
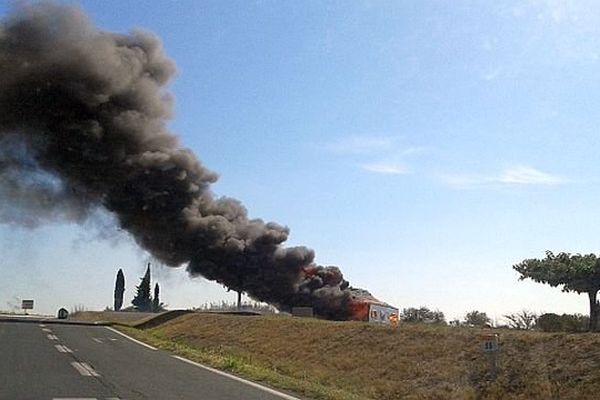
x=351, y=360
x=366, y=360
x=124, y=318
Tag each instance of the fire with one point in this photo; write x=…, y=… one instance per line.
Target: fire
x=364, y=307
x=356, y=304
x=310, y=270
x=360, y=304
x=359, y=310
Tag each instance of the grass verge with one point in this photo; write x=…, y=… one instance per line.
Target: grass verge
x=350, y=360
x=240, y=366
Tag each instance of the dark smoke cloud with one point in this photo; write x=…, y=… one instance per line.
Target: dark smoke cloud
x=82, y=127
x=29, y=195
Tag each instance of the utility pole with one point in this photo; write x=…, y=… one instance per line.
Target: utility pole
x=240, y=286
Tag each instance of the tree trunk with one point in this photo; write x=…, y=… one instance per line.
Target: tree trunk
x=593, y=311
x=239, y=300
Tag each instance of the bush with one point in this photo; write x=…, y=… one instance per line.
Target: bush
x=477, y=318
x=575, y=322
x=551, y=322
x=422, y=314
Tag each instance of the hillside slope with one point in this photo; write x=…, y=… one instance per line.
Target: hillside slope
x=125, y=318
x=340, y=360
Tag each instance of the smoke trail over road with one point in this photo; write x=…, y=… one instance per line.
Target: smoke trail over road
x=82, y=127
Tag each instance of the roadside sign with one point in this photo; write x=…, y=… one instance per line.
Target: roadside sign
x=27, y=304
x=490, y=346
x=489, y=342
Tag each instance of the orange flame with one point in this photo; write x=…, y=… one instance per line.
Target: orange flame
x=359, y=310
x=309, y=270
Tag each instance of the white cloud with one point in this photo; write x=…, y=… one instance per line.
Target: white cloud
x=516, y=175
x=491, y=74
x=385, y=168
x=377, y=154
x=523, y=175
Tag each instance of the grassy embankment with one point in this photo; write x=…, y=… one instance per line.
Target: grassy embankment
x=121, y=318
x=351, y=360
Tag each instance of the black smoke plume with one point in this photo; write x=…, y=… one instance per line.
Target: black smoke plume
x=82, y=127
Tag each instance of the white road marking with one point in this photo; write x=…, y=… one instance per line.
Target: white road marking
x=236, y=378
x=112, y=340
x=95, y=339
x=84, y=369
x=52, y=337
x=74, y=398
x=63, y=349
x=46, y=330
x=130, y=338
x=42, y=325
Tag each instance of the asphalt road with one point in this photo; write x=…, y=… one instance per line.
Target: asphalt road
x=50, y=361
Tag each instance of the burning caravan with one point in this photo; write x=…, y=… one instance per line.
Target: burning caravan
x=365, y=307
x=383, y=314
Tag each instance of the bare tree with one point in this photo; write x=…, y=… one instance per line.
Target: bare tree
x=524, y=320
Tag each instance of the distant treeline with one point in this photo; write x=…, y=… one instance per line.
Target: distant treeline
x=522, y=320
x=232, y=306
x=563, y=323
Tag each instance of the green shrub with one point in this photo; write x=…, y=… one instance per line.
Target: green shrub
x=551, y=322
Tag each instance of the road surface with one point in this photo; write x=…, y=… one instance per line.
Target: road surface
x=40, y=361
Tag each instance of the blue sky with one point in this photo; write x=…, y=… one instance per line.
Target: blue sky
x=424, y=147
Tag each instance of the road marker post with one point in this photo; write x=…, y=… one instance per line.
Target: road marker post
x=490, y=346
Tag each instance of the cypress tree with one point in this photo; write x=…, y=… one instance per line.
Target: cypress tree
x=119, y=290
x=156, y=305
x=142, y=300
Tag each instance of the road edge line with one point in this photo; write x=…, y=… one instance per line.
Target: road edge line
x=216, y=371
x=237, y=378
x=130, y=338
